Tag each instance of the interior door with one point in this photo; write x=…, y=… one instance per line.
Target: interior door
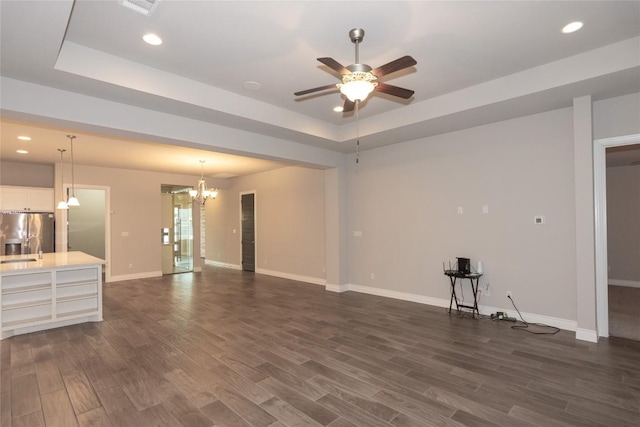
x=87, y=223
x=248, y=232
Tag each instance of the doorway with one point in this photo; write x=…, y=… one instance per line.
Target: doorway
x=248, y=223
x=600, y=190
x=176, y=230
x=88, y=226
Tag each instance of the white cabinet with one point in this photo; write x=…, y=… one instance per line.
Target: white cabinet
x=26, y=199
x=76, y=292
x=26, y=300
x=43, y=299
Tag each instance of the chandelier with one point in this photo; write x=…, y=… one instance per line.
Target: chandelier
x=201, y=193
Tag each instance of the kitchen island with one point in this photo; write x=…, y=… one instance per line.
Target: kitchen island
x=60, y=289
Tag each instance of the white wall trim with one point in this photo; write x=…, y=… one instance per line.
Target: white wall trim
x=144, y=275
x=627, y=283
x=299, y=278
x=565, y=324
x=586, y=335
x=336, y=288
x=222, y=264
x=600, y=206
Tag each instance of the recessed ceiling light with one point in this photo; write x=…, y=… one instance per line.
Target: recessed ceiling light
x=152, y=39
x=572, y=27
x=22, y=152
x=24, y=138
x=251, y=85
x=338, y=109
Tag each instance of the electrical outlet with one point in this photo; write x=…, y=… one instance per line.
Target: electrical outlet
x=487, y=290
x=509, y=294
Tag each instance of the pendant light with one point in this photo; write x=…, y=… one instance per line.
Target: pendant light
x=62, y=204
x=200, y=193
x=73, y=200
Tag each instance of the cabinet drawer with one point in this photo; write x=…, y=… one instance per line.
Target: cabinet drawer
x=19, y=282
x=65, y=291
x=27, y=315
x=76, y=306
x=76, y=276
x=36, y=296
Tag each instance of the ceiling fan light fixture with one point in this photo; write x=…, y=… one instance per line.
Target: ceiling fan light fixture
x=357, y=86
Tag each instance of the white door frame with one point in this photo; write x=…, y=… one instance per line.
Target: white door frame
x=600, y=195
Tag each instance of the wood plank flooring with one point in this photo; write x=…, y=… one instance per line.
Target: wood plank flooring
x=227, y=348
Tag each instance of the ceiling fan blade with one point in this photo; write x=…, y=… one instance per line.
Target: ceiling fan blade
x=315, y=89
x=393, y=66
x=334, y=65
x=394, y=90
x=348, y=106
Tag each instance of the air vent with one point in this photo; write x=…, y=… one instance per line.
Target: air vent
x=145, y=7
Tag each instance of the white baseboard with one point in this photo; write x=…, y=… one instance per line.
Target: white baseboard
x=438, y=302
x=299, y=278
x=586, y=335
x=565, y=324
x=336, y=288
x=627, y=283
x=223, y=264
x=145, y=275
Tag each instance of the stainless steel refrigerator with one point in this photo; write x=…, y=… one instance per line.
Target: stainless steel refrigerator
x=26, y=233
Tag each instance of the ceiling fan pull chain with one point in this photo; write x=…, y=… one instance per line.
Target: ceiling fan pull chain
x=357, y=132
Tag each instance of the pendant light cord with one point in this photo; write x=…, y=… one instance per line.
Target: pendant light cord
x=73, y=181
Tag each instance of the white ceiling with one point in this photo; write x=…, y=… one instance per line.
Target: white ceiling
x=465, y=50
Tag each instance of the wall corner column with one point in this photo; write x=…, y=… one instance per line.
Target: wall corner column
x=336, y=243
x=585, y=219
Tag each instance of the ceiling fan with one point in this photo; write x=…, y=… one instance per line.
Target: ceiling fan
x=359, y=80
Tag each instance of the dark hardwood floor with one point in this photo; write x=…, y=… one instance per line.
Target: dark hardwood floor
x=228, y=348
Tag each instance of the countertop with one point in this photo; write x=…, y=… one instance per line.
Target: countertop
x=49, y=260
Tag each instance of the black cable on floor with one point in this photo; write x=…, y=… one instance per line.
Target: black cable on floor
x=525, y=327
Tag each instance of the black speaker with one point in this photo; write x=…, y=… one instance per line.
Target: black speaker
x=464, y=265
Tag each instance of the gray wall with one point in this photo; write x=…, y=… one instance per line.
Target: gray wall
x=623, y=223
x=26, y=174
x=405, y=201
x=290, y=222
x=135, y=208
